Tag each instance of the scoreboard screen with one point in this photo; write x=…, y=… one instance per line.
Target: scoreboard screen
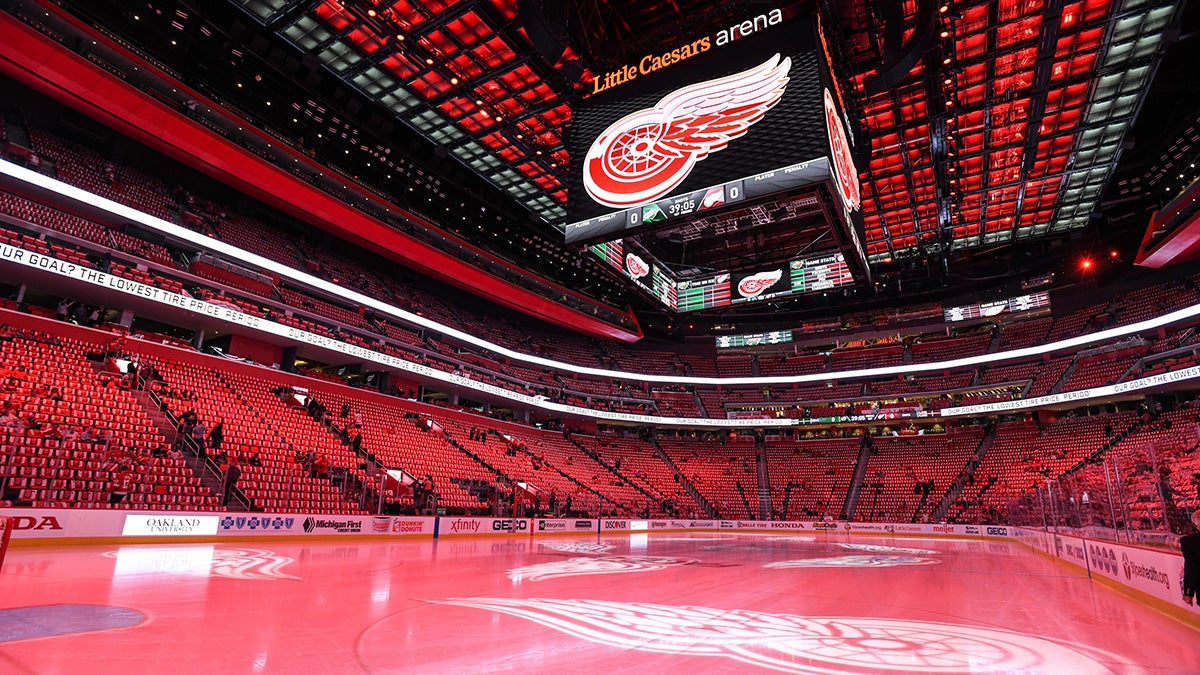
x=803, y=275
x=611, y=252
x=820, y=274
x=663, y=287
x=1021, y=303
x=696, y=294
x=733, y=116
x=754, y=339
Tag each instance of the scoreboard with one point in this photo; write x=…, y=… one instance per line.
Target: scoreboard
x=663, y=287
x=707, y=293
x=800, y=275
x=754, y=339
x=820, y=274
x=1021, y=303
x=611, y=252
x=704, y=199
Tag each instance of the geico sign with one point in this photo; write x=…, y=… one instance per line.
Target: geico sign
x=36, y=523
x=998, y=531
x=509, y=525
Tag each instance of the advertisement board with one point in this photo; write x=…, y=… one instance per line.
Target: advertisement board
x=165, y=525
x=555, y=525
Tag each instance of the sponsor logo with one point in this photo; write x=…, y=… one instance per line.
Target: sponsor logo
x=1104, y=559
x=648, y=153
x=824, y=526
x=1135, y=569
x=943, y=529
x=703, y=523
x=728, y=525
x=401, y=526
x=510, y=525
x=753, y=285
x=659, y=524
x=348, y=526
x=971, y=529
x=551, y=525
x=464, y=525
x=381, y=524
x=165, y=525
x=583, y=524
x=616, y=525
x=787, y=525
x=908, y=528
x=257, y=523
x=997, y=531
x=35, y=523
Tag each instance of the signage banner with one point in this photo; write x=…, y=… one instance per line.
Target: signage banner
x=166, y=525
x=553, y=525
x=63, y=523
x=452, y=526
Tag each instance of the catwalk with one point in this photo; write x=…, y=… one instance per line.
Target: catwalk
x=668, y=603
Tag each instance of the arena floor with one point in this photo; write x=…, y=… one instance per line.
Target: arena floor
x=670, y=603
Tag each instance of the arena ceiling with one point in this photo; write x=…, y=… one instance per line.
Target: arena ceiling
x=990, y=122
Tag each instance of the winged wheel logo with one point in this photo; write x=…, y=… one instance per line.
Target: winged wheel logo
x=646, y=154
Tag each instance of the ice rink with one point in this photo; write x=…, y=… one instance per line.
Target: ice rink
x=666, y=603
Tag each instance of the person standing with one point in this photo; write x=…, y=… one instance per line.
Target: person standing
x=1190, y=545
x=232, y=474
x=122, y=483
x=216, y=436
x=200, y=437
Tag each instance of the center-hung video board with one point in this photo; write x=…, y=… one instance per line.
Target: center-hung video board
x=729, y=117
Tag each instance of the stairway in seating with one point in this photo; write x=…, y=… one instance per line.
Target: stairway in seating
x=683, y=479
x=200, y=467
x=160, y=420
x=865, y=447
x=634, y=484
x=964, y=477
x=764, y=478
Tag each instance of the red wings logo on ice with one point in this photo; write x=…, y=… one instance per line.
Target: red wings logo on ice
x=753, y=286
x=646, y=154
x=847, y=176
x=636, y=267
x=802, y=645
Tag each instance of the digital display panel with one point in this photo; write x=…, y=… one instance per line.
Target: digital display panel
x=803, y=275
x=663, y=287
x=754, y=339
x=739, y=116
x=611, y=252
x=1020, y=303
x=761, y=285
x=697, y=294
x=820, y=274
